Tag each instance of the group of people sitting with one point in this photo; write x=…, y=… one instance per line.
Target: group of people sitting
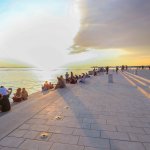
x=21, y=94
x=73, y=79
x=47, y=86
x=61, y=83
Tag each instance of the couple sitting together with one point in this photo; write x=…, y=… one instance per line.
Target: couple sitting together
x=21, y=94
x=60, y=84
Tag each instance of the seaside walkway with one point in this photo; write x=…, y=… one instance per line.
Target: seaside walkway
x=96, y=115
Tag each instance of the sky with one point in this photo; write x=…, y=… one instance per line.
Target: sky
x=53, y=33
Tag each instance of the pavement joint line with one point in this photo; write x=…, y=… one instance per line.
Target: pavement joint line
x=78, y=139
x=21, y=143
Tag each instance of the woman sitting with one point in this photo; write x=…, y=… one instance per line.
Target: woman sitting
x=60, y=83
x=24, y=94
x=73, y=79
x=17, y=96
x=4, y=103
x=51, y=86
x=82, y=80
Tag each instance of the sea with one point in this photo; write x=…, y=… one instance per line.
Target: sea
x=32, y=78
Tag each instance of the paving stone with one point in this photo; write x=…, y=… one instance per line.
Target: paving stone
x=145, y=119
x=18, y=133
x=140, y=124
x=69, y=124
x=94, y=142
x=91, y=148
x=31, y=134
x=63, y=138
x=86, y=132
x=126, y=118
x=36, y=121
x=147, y=130
x=41, y=116
x=7, y=148
x=130, y=129
x=89, y=116
x=35, y=145
x=73, y=119
x=144, y=138
x=114, y=135
x=101, y=121
x=51, y=122
x=147, y=146
x=125, y=145
x=93, y=120
x=11, y=141
x=118, y=122
x=103, y=127
x=59, y=146
x=85, y=126
x=52, y=129
x=87, y=120
x=133, y=137
x=40, y=127
x=63, y=130
x=25, y=126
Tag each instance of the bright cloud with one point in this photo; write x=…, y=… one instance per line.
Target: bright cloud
x=39, y=33
x=113, y=24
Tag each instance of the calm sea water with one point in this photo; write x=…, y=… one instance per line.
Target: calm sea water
x=32, y=78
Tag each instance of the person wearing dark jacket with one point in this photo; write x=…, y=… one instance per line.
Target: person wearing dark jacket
x=4, y=103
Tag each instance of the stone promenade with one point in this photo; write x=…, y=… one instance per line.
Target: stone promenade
x=96, y=115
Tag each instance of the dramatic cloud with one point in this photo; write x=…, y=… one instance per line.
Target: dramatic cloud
x=113, y=24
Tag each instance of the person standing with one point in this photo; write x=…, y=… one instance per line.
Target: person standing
x=107, y=70
x=122, y=68
x=67, y=77
x=117, y=69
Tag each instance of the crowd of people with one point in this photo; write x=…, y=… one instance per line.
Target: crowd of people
x=73, y=79
x=69, y=79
